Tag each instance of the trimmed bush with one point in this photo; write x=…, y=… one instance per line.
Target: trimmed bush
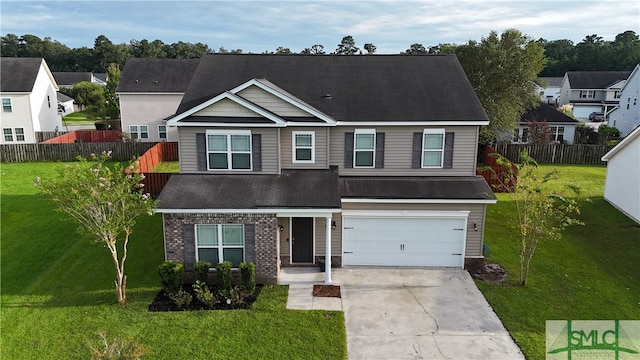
x=171, y=276
x=201, y=270
x=223, y=274
x=248, y=276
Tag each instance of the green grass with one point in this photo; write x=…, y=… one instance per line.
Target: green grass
x=590, y=274
x=77, y=118
x=167, y=167
x=57, y=294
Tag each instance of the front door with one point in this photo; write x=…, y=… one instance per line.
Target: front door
x=302, y=240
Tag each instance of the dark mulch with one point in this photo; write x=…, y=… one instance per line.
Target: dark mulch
x=163, y=303
x=491, y=272
x=326, y=291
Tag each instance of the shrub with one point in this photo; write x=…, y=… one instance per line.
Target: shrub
x=248, y=276
x=237, y=295
x=223, y=274
x=204, y=294
x=608, y=130
x=119, y=349
x=181, y=298
x=201, y=270
x=171, y=276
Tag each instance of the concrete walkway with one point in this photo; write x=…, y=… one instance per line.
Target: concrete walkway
x=397, y=313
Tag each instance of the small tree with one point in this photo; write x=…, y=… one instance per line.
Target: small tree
x=104, y=202
x=541, y=208
x=539, y=132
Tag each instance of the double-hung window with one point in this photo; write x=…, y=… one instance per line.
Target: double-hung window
x=364, y=148
x=139, y=131
x=220, y=242
x=6, y=105
x=19, y=134
x=162, y=131
x=432, y=148
x=8, y=134
x=303, y=146
x=587, y=94
x=557, y=133
x=229, y=149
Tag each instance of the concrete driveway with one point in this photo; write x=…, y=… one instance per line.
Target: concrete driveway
x=396, y=313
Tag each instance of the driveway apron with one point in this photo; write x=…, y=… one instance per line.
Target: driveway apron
x=399, y=313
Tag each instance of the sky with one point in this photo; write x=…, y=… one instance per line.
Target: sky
x=258, y=26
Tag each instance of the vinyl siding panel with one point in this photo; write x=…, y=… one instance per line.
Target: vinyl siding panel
x=271, y=102
x=336, y=236
x=286, y=149
x=622, y=184
x=188, y=151
x=150, y=110
x=226, y=107
x=19, y=117
x=398, y=152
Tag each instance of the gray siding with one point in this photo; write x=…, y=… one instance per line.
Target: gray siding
x=188, y=151
x=398, y=152
x=226, y=107
x=271, y=102
x=321, y=153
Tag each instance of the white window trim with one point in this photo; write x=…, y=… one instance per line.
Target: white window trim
x=10, y=105
x=433, y=132
x=160, y=132
x=138, y=132
x=15, y=133
x=556, y=132
x=364, y=132
x=4, y=135
x=220, y=246
x=294, y=147
x=228, y=134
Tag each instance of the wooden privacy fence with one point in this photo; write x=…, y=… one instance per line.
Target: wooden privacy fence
x=87, y=136
x=46, y=135
x=494, y=175
x=556, y=154
x=155, y=182
x=69, y=152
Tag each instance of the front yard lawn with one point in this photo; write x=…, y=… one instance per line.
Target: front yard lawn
x=57, y=294
x=590, y=274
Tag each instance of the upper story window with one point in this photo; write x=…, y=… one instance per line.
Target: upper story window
x=218, y=243
x=433, y=148
x=139, y=131
x=229, y=149
x=303, y=146
x=587, y=94
x=364, y=149
x=162, y=131
x=6, y=105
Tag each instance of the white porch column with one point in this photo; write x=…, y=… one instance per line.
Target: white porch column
x=327, y=252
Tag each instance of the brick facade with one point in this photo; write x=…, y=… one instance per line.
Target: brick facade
x=265, y=243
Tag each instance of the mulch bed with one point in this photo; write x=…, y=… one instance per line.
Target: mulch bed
x=491, y=272
x=326, y=291
x=163, y=303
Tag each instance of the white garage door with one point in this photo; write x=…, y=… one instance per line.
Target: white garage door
x=403, y=241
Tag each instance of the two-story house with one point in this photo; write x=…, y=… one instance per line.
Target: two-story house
x=367, y=160
x=593, y=94
x=150, y=91
x=549, y=89
x=29, y=100
x=626, y=116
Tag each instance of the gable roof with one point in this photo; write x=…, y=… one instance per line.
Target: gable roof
x=551, y=81
x=144, y=75
x=595, y=79
x=63, y=98
x=348, y=88
x=545, y=112
x=19, y=74
x=70, y=78
x=633, y=136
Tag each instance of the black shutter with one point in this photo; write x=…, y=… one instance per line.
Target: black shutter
x=416, y=157
x=379, y=150
x=250, y=243
x=348, y=150
x=189, y=239
x=256, y=148
x=448, y=150
x=201, y=151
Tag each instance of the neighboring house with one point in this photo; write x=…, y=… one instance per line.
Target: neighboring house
x=626, y=116
x=288, y=158
x=150, y=91
x=65, y=105
x=593, y=94
x=67, y=79
x=29, y=100
x=563, y=128
x=622, y=184
x=549, y=89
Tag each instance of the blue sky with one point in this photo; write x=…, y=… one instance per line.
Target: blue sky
x=257, y=26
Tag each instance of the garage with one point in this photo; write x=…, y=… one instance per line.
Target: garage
x=404, y=240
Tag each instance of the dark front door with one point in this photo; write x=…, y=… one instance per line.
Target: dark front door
x=302, y=240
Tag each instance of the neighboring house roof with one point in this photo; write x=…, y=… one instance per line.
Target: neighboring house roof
x=311, y=189
x=548, y=113
x=19, y=74
x=348, y=88
x=70, y=78
x=450, y=188
x=63, y=98
x=144, y=75
x=100, y=76
x=595, y=79
x=626, y=141
x=551, y=81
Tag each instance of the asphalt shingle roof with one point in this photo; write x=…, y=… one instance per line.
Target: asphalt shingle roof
x=448, y=187
x=18, y=74
x=595, y=79
x=362, y=88
x=156, y=75
x=70, y=78
x=546, y=113
x=552, y=81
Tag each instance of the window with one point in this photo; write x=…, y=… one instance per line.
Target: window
x=516, y=135
x=525, y=135
x=229, y=150
x=587, y=94
x=616, y=94
x=303, y=146
x=162, y=131
x=557, y=133
x=139, y=131
x=49, y=101
x=364, y=148
x=218, y=243
x=433, y=148
x=8, y=134
x=19, y=134
x=6, y=105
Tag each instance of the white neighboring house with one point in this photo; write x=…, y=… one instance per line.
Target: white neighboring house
x=563, y=128
x=622, y=184
x=626, y=116
x=29, y=100
x=66, y=79
x=550, y=92
x=150, y=91
x=65, y=105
